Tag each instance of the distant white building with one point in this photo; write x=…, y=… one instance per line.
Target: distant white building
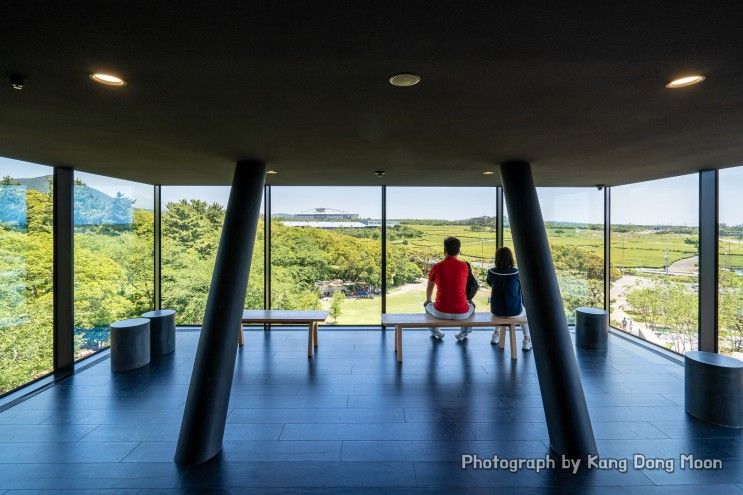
x=326, y=214
x=331, y=218
x=326, y=225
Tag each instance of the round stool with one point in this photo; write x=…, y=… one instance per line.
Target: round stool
x=713, y=388
x=162, y=331
x=591, y=328
x=130, y=344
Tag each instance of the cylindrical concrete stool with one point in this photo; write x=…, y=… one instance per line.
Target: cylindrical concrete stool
x=130, y=344
x=591, y=329
x=713, y=388
x=162, y=331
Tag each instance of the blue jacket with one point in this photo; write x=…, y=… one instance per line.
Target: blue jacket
x=505, y=298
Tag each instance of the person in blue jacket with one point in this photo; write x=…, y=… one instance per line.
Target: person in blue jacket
x=506, y=299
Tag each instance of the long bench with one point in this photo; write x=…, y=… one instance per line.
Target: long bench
x=286, y=317
x=424, y=320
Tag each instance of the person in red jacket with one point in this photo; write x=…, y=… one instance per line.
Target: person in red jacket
x=449, y=277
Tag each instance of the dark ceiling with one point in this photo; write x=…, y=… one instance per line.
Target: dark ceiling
x=578, y=91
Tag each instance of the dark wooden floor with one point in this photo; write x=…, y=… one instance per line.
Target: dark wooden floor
x=353, y=418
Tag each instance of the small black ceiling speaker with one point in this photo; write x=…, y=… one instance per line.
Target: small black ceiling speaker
x=17, y=81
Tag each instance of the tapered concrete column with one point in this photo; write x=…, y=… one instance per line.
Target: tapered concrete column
x=204, y=417
x=564, y=403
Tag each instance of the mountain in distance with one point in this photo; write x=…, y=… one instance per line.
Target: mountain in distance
x=92, y=207
x=40, y=184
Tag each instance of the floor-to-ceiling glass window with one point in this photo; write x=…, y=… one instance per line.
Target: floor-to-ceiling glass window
x=731, y=262
x=114, y=258
x=191, y=226
x=326, y=251
x=419, y=219
x=655, y=247
x=574, y=220
x=26, y=246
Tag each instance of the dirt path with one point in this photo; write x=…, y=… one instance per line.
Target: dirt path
x=619, y=291
x=409, y=288
x=686, y=265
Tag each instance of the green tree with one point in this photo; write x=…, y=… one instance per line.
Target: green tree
x=190, y=238
x=9, y=181
x=648, y=303
x=336, y=305
x=26, y=293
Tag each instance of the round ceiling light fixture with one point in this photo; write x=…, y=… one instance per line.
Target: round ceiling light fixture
x=380, y=173
x=404, y=79
x=488, y=172
x=685, y=81
x=272, y=172
x=107, y=79
x=17, y=81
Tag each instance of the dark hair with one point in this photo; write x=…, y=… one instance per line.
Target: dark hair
x=503, y=259
x=452, y=246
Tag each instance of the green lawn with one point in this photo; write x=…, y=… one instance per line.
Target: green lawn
x=631, y=249
x=481, y=245
x=367, y=311
x=475, y=245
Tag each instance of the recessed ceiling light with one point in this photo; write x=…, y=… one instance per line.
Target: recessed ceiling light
x=272, y=172
x=488, y=172
x=380, y=173
x=685, y=81
x=107, y=79
x=404, y=79
x=17, y=81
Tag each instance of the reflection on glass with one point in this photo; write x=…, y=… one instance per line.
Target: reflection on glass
x=25, y=273
x=654, y=245
x=192, y=219
x=114, y=259
x=419, y=219
x=326, y=251
x=731, y=262
x=574, y=220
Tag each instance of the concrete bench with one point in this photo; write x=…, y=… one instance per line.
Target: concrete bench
x=591, y=328
x=713, y=388
x=130, y=344
x=286, y=317
x=424, y=320
x=162, y=331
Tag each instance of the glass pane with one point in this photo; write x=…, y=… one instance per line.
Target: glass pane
x=731, y=262
x=114, y=259
x=25, y=273
x=420, y=218
x=574, y=220
x=654, y=247
x=192, y=219
x=326, y=251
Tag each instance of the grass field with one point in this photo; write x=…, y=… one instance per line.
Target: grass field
x=407, y=299
x=632, y=249
x=643, y=249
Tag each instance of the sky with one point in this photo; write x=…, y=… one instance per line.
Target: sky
x=666, y=201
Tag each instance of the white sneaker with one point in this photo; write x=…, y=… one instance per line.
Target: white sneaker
x=462, y=335
x=526, y=345
x=495, y=337
x=437, y=334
